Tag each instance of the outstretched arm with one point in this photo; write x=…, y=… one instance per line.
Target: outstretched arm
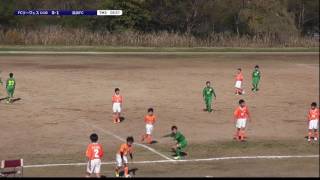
x=168, y=135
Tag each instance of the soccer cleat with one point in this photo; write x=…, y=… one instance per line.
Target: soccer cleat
x=309, y=140
x=127, y=176
x=315, y=139
x=177, y=158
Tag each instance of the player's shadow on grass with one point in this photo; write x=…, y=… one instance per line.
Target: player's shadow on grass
x=154, y=142
x=122, y=118
x=183, y=154
x=1, y=99
x=131, y=172
x=13, y=100
x=16, y=99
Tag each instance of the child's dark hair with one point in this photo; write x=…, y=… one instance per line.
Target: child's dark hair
x=241, y=101
x=207, y=82
x=94, y=137
x=314, y=104
x=257, y=66
x=130, y=139
x=174, y=127
x=150, y=110
x=239, y=69
x=11, y=75
x=116, y=89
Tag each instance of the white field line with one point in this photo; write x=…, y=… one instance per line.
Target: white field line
x=142, y=53
x=121, y=139
x=178, y=161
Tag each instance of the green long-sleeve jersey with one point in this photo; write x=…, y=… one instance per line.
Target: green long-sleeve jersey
x=208, y=92
x=256, y=74
x=11, y=82
x=178, y=137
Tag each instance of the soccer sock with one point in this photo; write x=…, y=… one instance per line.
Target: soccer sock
x=178, y=152
x=316, y=135
x=237, y=134
x=126, y=170
x=149, y=138
x=118, y=117
x=241, y=135
x=114, y=118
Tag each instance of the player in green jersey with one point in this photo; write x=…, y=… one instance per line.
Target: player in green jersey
x=256, y=75
x=207, y=93
x=10, y=86
x=181, y=142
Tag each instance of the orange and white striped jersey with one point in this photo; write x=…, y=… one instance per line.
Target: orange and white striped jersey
x=313, y=114
x=125, y=149
x=150, y=119
x=239, y=77
x=241, y=113
x=94, y=151
x=117, y=98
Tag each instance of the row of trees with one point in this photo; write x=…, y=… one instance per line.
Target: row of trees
x=197, y=17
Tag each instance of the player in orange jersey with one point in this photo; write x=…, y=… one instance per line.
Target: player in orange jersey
x=149, y=119
x=116, y=105
x=94, y=154
x=241, y=115
x=238, y=85
x=313, y=120
x=121, y=157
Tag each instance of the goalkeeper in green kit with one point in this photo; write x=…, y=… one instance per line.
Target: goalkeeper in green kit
x=181, y=142
x=256, y=75
x=207, y=93
x=10, y=86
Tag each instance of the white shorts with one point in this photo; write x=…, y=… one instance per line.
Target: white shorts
x=241, y=123
x=93, y=166
x=119, y=160
x=238, y=84
x=313, y=124
x=116, y=107
x=149, y=129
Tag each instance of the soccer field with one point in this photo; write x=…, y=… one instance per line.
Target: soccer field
x=64, y=98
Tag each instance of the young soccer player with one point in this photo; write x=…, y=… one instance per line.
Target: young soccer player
x=207, y=93
x=121, y=157
x=241, y=115
x=313, y=120
x=256, y=75
x=10, y=86
x=149, y=119
x=238, y=85
x=94, y=154
x=181, y=142
x=116, y=105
